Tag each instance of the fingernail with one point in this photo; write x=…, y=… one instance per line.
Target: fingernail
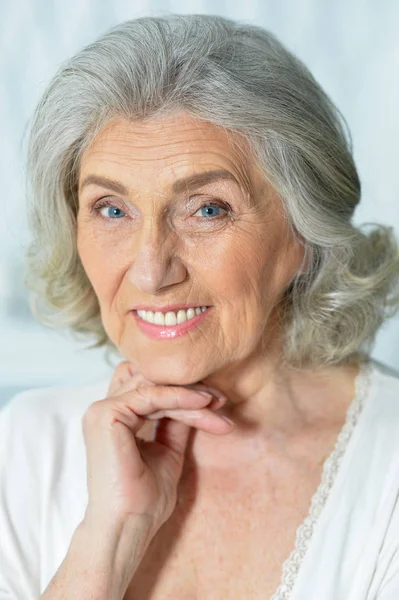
x=209, y=396
x=219, y=403
x=229, y=421
x=216, y=392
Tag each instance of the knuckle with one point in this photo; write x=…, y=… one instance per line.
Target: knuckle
x=120, y=374
x=123, y=372
x=144, y=399
x=140, y=394
x=155, y=397
x=177, y=393
x=117, y=374
x=152, y=397
x=93, y=411
x=122, y=367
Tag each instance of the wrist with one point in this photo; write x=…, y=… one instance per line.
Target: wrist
x=113, y=549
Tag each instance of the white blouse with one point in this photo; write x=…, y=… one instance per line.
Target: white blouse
x=347, y=548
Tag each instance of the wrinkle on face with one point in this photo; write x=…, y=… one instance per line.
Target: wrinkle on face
x=161, y=253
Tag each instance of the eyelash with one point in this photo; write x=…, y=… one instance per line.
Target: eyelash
x=96, y=207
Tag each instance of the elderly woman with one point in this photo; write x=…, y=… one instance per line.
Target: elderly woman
x=193, y=189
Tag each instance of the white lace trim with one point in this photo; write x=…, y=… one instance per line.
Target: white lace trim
x=330, y=468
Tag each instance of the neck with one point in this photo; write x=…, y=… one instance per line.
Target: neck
x=271, y=403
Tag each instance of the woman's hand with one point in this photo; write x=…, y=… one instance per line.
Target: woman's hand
x=131, y=477
x=132, y=482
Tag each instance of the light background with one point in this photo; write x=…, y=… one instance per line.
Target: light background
x=352, y=48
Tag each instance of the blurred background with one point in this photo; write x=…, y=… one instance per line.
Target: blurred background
x=351, y=47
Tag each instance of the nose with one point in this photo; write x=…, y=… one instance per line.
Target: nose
x=155, y=264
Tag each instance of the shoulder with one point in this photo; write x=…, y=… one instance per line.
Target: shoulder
x=40, y=428
x=377, y=457
x=386, y=374
x=376, y=480
x=42, y=481
x=51, y=403
x=38, y=423
x=383, y=396
x=378, y=424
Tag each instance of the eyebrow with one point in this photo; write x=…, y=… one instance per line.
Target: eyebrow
x=180, y=185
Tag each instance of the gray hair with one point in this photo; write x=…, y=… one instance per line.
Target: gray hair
x=241, y=78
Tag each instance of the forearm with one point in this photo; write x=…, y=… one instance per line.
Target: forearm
x=100, y=562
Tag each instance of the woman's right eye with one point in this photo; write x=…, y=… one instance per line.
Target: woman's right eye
x=109, y=211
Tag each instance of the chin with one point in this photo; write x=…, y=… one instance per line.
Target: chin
x=169, y=371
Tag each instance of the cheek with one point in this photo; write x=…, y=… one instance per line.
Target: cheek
x=238, y=270
x=248, y=282
x=100, y=264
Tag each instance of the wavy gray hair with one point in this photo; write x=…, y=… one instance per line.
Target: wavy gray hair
x=239, y=77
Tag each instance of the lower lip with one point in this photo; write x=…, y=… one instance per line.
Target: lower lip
x=167, y=332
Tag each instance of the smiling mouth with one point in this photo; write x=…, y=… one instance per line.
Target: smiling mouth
x=170, y=318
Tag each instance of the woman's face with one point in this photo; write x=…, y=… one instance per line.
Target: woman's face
x=223, y=243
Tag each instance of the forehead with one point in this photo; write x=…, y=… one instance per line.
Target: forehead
x=172, y=141
x=168, y=132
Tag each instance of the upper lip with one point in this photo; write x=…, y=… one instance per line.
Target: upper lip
x=165, y=309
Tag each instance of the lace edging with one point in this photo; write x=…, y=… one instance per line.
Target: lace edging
x=330, y=468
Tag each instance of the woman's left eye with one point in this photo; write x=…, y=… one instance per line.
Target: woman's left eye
x=214, y=207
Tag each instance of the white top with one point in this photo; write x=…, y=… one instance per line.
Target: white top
x=346, y=549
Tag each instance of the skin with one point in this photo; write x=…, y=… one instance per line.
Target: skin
x=239, y=261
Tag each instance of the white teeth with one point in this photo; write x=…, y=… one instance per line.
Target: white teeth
x=170, y=318
x=159, y=318
x=181, y=316
x=190, y=313
x=148, y=315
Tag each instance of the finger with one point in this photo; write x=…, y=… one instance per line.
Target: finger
x=148, y=429
x=205, y=419
x=214, y=404
x=146, y=400
x=118, y=387
x=122, y=373
x=126, y=377
x=206, y=388
x=119, y=376
x=217, y=403
x=174, y=435
x=138, y=381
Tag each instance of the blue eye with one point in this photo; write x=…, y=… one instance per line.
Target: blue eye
x=112, y=212
x=212, y=209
